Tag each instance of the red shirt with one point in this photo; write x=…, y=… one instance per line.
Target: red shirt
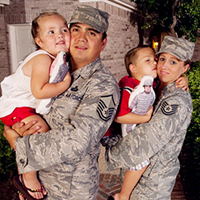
x=127, y=84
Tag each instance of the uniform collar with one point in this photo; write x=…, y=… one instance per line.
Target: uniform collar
x=168, y=90
x=86, y=71
x=170, y=87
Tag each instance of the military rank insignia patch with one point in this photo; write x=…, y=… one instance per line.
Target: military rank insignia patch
x=106, y=107
x=168, y=109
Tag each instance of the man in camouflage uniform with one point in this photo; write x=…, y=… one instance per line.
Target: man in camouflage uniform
x=161, y=139
x=67, y=155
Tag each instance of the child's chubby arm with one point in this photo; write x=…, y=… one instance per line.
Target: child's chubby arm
x=132, y=118
x=182, y=82
x=40, y=86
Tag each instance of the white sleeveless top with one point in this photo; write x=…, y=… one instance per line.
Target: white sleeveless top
x=16, y=89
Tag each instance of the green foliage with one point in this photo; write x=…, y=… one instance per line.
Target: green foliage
x=160, y=13
x=192, y=140
x=193, y=132
x=7, y=156
x=188, y=14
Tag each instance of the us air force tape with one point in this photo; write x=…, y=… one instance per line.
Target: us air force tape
x=168, y=109
x=106, y=107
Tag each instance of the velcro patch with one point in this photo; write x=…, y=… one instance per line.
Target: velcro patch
x=106, y=107
x=168, y=109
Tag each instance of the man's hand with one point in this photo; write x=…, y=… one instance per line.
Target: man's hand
x=19, y=129
x=26, y=129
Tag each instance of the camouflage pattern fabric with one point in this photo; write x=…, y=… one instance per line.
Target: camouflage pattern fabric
x=67, y=155
x=179, y=47
x=159, y=140
x=91, y=16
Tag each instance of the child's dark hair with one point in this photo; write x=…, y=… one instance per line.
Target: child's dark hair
x=35, y=24
x=131, y=56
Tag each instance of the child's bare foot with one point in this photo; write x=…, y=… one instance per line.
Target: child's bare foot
x=28, y=187
x=120, y=196
x=20, y=197
x=116, y=196
x=31, y=181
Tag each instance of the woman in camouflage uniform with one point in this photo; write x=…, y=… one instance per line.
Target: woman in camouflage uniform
x=161, y=139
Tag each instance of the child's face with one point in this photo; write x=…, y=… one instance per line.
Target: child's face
x=53, y=35
x=170, y=68
x=145, y=64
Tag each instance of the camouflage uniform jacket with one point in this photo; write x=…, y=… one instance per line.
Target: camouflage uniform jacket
x=67, y=155
x=159, y=140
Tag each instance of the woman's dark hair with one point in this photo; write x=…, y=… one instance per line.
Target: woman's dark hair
x=187, y=62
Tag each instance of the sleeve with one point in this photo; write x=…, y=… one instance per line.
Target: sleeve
x=171, y=119
x=76, y=138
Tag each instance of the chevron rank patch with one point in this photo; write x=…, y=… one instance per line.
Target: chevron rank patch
x=168, y=109
x=106, y=107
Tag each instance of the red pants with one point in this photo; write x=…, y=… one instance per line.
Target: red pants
x=17, y=115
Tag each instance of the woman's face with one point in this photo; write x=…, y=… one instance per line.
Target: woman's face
x=170, y=68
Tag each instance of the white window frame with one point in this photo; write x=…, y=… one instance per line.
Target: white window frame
x=125, y=5
x=4, y=2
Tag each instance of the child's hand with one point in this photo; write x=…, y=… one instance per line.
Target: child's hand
x=67, y=78
x=182, y=82
x=149, y=113
x=10, y=136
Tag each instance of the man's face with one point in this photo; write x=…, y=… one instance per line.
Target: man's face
x=86, y=45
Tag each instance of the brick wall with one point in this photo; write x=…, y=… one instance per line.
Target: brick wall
x=12, y=14
x=122, y=34
x=64, y=7
x=4, y=65
x=196, y=56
